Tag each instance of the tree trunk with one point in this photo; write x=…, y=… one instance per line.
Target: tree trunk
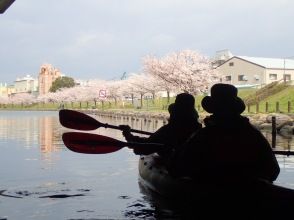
x=141, y=100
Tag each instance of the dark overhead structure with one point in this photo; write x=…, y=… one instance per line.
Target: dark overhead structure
x=4, y=4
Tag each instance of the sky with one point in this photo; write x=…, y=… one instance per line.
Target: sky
x=102, y=39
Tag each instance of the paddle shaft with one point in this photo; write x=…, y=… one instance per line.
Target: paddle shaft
x=81, y=121
x=98, y=144
x=286, y=153
x=105, y=125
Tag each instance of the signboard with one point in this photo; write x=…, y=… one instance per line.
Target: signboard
x=102, y=94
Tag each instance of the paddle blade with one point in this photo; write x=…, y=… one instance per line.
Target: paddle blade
x=77, y=120
x=91, y=143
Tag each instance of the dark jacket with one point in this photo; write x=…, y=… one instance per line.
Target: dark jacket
x=227, y=149
x=172, y=135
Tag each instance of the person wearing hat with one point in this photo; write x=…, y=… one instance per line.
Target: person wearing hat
x=229, y=148
x=183, y=122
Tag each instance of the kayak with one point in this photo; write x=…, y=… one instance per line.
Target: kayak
x=155, y=176
x=259, y=196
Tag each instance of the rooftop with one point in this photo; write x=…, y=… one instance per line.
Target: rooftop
x=270, y=63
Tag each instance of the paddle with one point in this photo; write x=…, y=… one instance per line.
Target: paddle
x=97, y=144
x=81, y=121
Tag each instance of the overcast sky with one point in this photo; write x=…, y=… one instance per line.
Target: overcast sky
x=101, y=39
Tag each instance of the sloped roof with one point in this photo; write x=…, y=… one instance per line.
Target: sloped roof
x=270, y=63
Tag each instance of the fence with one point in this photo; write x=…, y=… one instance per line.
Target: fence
x=266, y=107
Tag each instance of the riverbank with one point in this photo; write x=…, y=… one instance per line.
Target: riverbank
x=284, y=123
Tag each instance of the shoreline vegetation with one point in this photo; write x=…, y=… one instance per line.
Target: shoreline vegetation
x=284, y=122
x=275, y=99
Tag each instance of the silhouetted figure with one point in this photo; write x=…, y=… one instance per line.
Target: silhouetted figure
x=183, y=122
x=228, y=149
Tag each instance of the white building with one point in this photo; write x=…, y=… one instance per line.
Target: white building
x=243, y=71
x=26, y=84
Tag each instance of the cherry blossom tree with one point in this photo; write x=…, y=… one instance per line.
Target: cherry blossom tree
x=147, y=83
x=81, y=93
x=187, y=70
x=127, y=90
x=23, y=99
x=4, y=100
x=143, y=84
x=114, y=90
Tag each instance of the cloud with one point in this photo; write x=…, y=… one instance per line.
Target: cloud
x=90, y=39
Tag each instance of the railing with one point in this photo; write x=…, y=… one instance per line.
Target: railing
x=266, y=107
x=263, y=107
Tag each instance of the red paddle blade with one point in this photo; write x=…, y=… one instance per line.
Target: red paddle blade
x=91, y=143
x=77, y=120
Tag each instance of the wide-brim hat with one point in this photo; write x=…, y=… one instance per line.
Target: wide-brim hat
x=223, y=100
x=184, y=105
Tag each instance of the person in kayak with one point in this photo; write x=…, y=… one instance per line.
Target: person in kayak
x=229, y=148
x=183, y=122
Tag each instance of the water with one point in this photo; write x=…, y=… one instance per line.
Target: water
x=35, y=167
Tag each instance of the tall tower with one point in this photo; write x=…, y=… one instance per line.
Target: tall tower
x=47, y=76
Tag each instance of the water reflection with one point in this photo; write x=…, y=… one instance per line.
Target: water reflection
x=28, y=129
x=44, y=128
x=34, y=163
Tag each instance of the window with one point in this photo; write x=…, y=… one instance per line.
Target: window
x=287, y=77
x=228, y=78
x=242, y=78
x=256, y=77
x=273, y=76
x=231, y=64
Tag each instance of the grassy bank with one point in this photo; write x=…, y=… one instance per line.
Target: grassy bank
x=273, y=98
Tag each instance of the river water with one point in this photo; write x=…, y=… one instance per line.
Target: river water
x=42, y=179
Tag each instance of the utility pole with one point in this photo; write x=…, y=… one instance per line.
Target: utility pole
x=284, y=74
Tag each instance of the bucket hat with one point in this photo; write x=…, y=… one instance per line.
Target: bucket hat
x=223, y=100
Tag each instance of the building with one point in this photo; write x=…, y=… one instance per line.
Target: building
x=243, y=71
x=3, y=90
x=220, y=57
x=48, y=74
x=26, y=84
x=6, y=90
x=10, y=90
